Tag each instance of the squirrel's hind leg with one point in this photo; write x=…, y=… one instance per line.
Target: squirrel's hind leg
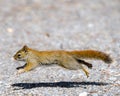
x=85, y=70
x=72, y=64
x=89, y=65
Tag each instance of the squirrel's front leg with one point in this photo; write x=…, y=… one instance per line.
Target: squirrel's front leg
x=21, y=67
x=20, y=71
x=28, y=66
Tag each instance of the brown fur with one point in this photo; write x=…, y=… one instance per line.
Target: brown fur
x=67, y=59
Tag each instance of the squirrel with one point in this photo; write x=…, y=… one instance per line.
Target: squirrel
x=72, y=60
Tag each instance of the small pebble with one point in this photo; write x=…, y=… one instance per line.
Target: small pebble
x=83, y=94
x=112, y=78
x=10, y=30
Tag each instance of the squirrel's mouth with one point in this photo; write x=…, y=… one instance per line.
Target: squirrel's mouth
x=16, y=58
x=19, y=59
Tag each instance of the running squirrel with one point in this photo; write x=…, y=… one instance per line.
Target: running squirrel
x=72, y=60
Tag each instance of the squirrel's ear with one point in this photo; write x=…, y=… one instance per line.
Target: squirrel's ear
x=25, y=48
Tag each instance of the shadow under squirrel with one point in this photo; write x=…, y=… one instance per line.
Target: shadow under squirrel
x=72, y=60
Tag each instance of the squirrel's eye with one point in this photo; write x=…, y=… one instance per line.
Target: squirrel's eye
x=19, y=55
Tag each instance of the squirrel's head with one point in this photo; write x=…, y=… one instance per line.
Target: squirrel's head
x=21, y=55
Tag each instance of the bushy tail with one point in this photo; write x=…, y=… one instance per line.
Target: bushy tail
x=91, y=54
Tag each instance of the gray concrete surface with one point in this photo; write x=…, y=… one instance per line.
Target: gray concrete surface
x=64, y=25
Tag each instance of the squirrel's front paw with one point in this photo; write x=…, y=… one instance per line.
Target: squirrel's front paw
x=20, y=71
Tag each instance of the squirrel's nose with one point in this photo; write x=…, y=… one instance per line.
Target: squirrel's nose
x=14, y=57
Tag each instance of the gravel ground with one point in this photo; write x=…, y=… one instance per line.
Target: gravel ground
x=63, y=25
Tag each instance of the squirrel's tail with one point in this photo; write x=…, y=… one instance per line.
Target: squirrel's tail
x=91, y=54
